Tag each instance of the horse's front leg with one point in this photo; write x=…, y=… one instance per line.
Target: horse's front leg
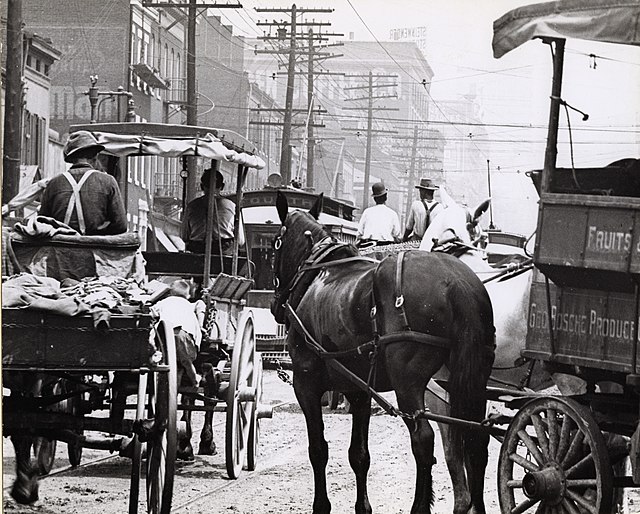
x=25, y=486
x=359, y=449
x=309, y=394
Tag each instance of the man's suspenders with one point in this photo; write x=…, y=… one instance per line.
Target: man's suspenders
x=429, y=211
x=74, y=201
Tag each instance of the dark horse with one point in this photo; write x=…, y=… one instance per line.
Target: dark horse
x=430, y=311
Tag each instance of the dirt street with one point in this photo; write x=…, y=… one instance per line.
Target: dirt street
x=281, y=484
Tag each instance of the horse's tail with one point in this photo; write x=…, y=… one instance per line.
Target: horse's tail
x=473, y=350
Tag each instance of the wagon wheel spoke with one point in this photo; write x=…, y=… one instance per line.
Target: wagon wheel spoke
x=565, y=435
x=524, y=506
x=524, y=463
x=543, y=442
x=532, y=447
x=552, y=424
x=581, y=465
x=574, y=450
x=569, y=507
x=583, y=502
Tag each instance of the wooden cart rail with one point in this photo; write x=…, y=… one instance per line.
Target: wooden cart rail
x=40, y=340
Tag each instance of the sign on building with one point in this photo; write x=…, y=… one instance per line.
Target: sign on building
x=416, y=34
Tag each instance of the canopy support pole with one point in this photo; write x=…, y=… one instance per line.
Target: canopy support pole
x=208, y=243
x=242, y=171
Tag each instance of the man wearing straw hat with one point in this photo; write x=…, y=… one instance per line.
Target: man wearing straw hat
x=85, y=198
x=379, y=223
x=422, y=211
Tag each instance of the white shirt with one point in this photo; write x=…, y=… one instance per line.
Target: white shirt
x=180, y=312
x=417, y=220
x=380, y=223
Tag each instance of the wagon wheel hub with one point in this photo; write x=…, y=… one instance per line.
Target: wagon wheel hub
x=548, y=484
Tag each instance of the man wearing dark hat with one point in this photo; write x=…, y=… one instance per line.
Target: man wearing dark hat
x=422, y=211
x=379, y=223
x=194, y=221
x=83, y=197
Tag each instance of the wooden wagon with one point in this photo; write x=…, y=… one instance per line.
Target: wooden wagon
x=582, y=323
x=90, y=365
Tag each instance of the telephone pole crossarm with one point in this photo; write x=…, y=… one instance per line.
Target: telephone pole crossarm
x=182, y=5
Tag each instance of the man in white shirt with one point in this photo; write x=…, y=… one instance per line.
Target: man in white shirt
x=422, y=211
x=379, y=223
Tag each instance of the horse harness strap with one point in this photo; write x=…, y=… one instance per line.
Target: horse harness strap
x=399, y=296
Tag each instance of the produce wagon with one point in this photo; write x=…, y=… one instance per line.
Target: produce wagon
x=88, y=362
x=558, y=452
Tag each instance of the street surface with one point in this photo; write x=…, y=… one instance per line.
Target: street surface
x=282, y=483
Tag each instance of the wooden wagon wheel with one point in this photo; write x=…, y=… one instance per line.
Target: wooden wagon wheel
x=554, y=460
x=241, y=395
x=163, y=408
x=254, y=428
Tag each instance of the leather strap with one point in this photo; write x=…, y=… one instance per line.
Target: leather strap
x=399, y=295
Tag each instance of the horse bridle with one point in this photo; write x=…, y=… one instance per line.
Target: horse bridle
x=315, y=254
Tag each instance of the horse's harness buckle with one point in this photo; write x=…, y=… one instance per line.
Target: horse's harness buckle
x=399, y=301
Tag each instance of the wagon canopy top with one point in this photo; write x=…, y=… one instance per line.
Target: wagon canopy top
x=607, y=21
x=143, y=139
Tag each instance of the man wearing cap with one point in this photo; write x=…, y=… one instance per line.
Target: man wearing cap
x=194, y=222
x=422, y=211
x=379, y=223
x=83, y=197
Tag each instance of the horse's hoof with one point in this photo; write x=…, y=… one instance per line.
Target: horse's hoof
x=207, y=449
x=25, y=491
x=185, y=453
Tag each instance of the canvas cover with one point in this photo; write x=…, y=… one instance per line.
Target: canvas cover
x=208, y=146
x=607, y=21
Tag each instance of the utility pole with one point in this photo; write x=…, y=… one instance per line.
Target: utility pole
x=293, y=53
x=285, y=151
x=310, y=94
x=12, y=146
x=192, y=93
x=370, y=130
x=412, y=169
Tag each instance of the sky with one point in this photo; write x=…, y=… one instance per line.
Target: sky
x=512, y=90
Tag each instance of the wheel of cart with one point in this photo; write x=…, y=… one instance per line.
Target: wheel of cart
x=554, y=459
x=161, y=407
x=245, y=378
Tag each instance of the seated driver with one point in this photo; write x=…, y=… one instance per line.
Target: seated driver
x=194, y=222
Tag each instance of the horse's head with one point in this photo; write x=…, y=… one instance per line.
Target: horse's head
x=299, y=232
x=454, y=223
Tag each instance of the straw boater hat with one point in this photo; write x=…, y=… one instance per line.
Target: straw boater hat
x=378, y=189
x=81, y=140
x=427, y=183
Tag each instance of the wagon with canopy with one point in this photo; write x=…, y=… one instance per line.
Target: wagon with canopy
x=64, y=362
x=582, y=322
